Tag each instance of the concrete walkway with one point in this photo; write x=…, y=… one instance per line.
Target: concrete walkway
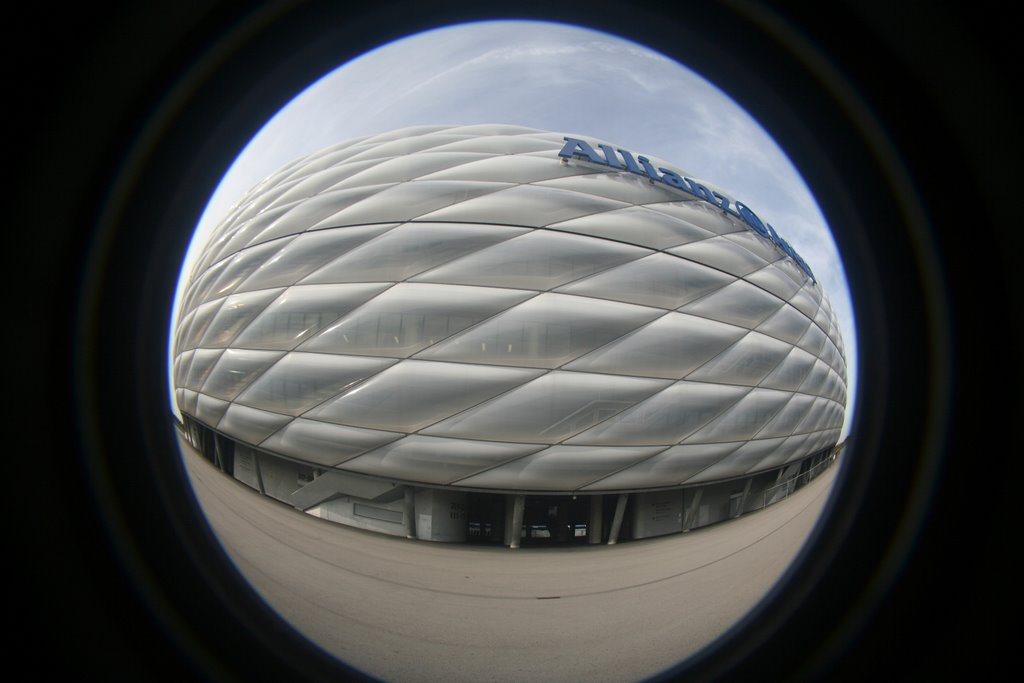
x=405, y=610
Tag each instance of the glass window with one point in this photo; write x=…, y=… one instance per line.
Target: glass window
x=324, y=444
x=669, y=347
x=656, y=280
x=668, y=468
x=720, y=253
x=436, y=460
x=237, y=311
x=549, y=409
x=560, y=468
x=665, y=418
x=527, y=205
x=300, y=381
x=409, y=317
x=747, y=362
x=308, y=252
x=740, y=303
x=539, y=260
x=250, y=425
x=544, y=332
x=301, y=312
x=235, y=369
x=413, y=394
x=636, y=225
x=410, y=249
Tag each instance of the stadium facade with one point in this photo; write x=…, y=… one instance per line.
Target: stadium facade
x=498, y=334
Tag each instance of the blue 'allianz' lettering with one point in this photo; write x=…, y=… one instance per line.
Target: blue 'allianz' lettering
x=641, y=165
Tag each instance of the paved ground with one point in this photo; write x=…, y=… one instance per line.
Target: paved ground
x=410, y=611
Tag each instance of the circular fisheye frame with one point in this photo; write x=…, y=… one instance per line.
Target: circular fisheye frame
x=152, y=136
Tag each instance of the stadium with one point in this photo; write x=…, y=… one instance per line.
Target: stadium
x=502, y=335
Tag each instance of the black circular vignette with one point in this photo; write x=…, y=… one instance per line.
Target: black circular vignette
x=897, y=116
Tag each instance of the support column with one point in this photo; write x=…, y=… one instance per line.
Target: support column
x=409, y=513
x=259, y=473
x=594, y=527
x=743, y=498
x=514, y=529
x=620, y=511
x=691, y=512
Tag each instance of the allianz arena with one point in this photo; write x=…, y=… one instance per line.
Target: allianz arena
x=496, y=334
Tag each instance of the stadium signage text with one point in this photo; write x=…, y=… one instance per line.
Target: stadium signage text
x=641, y=165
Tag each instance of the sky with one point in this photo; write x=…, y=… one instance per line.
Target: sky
x=559, y=78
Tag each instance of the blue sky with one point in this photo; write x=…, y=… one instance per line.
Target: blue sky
x=559, y=78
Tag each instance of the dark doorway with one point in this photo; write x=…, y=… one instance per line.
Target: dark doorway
x=555, y=520
x=485, y=515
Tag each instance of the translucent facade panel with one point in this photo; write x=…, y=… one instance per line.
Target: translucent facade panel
x=739, y=462
x=746, y=362
x=410, y=249
x=669, y=347
x=822, y=319
x=201, y=320
x=622, y=187
x=180, y=369
x=189, y=401
x=817, y=379
x=813, y=340
x=792, y=271
x=242, y=235
x=745, y=419
x=720, y=253
x=500, y=144
x=324, y=444
x=527, y=205
x=755, y=244
x=200, y=282
x=235, y=369
x=791, y=372
x=773, y=280
x=508, y=169
x=202, y=363
x=405, y=145
x=817, y=416
x=665, y=418
x=803, y=302
x=300, y=381
x=210, y=410
x=670, y=466
x=237, y=311
x=636, y=225
x=539, y=260
x=657, y=280
x=250, y=425
x=544, y=332
x=301, y=312
x=789, y=418
x=409, y=317
x=414, y=394
x=740, y=303
x=308, y=252
x=405, y=201
x=793, y=448
x=560, y=468
x=416, y=166
x=788, y=324
x=435, y=460
x=703, y=214
x=325, y=180
x=243, y=265
x=549, y=409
